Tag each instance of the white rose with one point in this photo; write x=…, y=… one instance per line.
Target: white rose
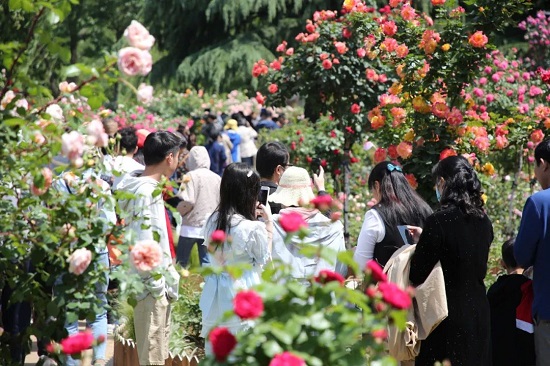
x=145, y=93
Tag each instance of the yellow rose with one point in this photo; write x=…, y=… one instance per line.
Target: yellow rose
x=409, y=136
x=488, y=169
x=484, y=198
x=446, y=47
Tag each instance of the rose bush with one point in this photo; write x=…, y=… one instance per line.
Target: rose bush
x=53, y=201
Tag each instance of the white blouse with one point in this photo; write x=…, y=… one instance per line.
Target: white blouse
x=372, y=232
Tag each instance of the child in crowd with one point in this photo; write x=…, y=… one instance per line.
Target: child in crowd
x=510, y=300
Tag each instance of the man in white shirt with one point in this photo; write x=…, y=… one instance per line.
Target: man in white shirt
x=126, y=148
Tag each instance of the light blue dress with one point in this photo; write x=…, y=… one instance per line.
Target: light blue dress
x=248, y=246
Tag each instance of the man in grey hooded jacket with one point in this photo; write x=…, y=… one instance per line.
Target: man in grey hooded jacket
x=200, y=194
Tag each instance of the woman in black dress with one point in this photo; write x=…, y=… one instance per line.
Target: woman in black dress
x=459, y=235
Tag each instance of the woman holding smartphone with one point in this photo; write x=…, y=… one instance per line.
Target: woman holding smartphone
x=459, y=236
x=249, y=242
x=398, y=204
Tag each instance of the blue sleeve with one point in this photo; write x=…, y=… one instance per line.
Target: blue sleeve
x=529, y=235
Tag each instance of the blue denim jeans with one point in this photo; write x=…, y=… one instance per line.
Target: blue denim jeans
x=99, y=325
x=185, y=246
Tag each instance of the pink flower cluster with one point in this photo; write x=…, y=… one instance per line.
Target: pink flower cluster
x=136, y=59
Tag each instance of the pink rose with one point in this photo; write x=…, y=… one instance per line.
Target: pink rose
x=292, y=222
x=55, y=111
x=145, y=93
x=79, y=261
x=355, y=108
x=146, y=255
x=218, y=237
x=287, y=359
x=72, y=145
x=73, y=344
x=97, y=134
x=138, y=36
x=322, y=203
x=133, y=61
x=273, y=88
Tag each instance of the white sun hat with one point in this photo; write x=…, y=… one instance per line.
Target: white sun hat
x=294, y=188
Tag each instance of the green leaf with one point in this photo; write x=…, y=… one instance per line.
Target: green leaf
x=71, y=71
x=95, y=102
x=281, y=335
x=271, y=348
x=13, y=122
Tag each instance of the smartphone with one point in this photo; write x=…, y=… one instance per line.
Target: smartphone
x=405, y=234
x=316, y=166
x=263, y=195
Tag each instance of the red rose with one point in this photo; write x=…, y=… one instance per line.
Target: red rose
x=392, y=151
x=377, y=271
x=394, y=296
x=248, y=305
x=371, y=291
x=293, y=145
x=218, y=237
x=273, y=88
x=287, y=359
x=327, y=64
x=309, y=159
x=326, y=276
x=322, y=203
x=292, y=222
x=324, y=163
x=260, y=98
x=275, y=65
x=380, y=155
x=346, y=33
x=354, y=160
x=544, y=75
x=380, y=334
x=333, y=134
x=446, y=153
x=355, y=108
x=223, y=343
x=75, y=343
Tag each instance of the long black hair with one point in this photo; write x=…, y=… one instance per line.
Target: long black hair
x=399, y=203
x=462, y=187
x=239, y=190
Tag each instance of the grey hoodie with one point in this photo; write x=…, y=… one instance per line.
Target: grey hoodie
x=200, y=192
x=146, y=218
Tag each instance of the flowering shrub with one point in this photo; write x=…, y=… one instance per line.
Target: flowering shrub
x=324, y=323
x=391, y=73
x=537, y=34
x=52, y=194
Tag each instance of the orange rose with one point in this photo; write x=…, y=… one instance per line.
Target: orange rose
x=478, y=39
x=404, y=149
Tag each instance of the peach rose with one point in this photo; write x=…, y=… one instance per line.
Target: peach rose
x=48, y=176
x=145, y=93
x=404, y=149
x=478, y=39
x=133, y=61
x=146, y=255
x=138, y=36
x=66, y=87
x=8, y=97
x=79, y=261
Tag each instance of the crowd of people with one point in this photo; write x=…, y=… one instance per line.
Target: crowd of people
x=218, y=190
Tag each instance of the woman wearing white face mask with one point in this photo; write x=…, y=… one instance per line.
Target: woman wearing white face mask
x=459, y=236
x=398, y=204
